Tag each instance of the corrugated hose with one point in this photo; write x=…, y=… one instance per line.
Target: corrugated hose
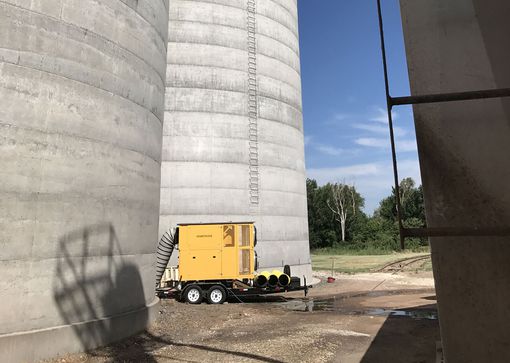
x=165, y=248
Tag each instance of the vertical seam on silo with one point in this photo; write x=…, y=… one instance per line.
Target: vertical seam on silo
x=252, y=103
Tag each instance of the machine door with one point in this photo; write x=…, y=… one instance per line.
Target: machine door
x=200, y=265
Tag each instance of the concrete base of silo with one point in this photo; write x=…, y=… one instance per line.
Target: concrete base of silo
x=64, y=339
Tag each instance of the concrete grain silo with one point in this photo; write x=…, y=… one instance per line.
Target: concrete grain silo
x=233, y=145
x=82, y=95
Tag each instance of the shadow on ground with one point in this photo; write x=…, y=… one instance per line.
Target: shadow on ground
x=400, y=342
x=149, y=346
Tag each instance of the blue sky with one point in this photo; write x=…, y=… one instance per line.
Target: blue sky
x=346, y=130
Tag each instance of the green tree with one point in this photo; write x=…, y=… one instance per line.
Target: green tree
x=321, y=223
x=345, y=203
x=359, y=231
x=412, y=212
x=411, y=199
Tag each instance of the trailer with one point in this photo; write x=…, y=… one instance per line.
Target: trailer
x=217, y=261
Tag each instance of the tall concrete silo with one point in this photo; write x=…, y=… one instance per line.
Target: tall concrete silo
x=233, y=145
x=82, y=95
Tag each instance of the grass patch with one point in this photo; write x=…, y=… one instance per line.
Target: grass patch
x=368, y=251
x=357, y=263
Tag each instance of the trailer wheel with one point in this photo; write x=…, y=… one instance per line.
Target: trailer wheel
x=216, y=295
x=193, y=294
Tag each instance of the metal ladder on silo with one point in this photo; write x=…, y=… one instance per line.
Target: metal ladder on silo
x=252, y=105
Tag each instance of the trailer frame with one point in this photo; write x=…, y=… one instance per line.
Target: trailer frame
x=246, y=291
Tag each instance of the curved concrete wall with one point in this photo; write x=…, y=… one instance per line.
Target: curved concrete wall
x=233, y=145
x=82, y=90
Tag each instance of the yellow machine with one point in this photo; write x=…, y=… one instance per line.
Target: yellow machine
x=216, y=251
x=216, y=260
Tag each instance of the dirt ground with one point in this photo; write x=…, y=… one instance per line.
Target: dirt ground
x=372, y=317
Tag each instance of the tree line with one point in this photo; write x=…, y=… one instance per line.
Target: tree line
x=336, y=218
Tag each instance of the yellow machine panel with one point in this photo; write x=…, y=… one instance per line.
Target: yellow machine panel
x=216, y=251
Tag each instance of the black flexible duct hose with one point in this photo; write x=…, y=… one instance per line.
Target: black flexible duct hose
x=165, y=248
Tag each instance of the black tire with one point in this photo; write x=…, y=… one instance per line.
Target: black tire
x=193, y=294
x=216, y=294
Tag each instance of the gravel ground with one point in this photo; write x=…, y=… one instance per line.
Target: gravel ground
x=350, y=320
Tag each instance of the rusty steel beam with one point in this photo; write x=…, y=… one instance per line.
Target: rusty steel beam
x=456, y=232
x=450, y=97
x=390, y=124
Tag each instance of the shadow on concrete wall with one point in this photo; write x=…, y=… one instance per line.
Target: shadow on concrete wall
x=95, y=289
x=405, y=339
x=93, y=284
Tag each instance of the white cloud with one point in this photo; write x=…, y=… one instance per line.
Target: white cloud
x=406, y=145
x=329, y=150
x=341, y=116
x=382, y=116
x=326, y=149
x=372, y=142
x=338, y=119
x=379, y=129
x=401, y=144
x=373, y=180
x=338, y=174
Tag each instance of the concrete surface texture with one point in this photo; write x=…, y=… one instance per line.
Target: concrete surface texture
x=82, y=90
x=233, y=145
x=462, y=45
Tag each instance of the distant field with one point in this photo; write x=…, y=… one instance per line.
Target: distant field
x=357, y=264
